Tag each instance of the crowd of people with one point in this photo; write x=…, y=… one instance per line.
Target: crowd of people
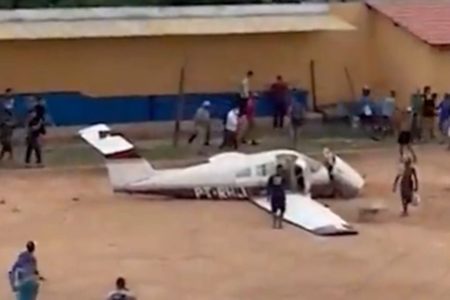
x=34, y=123
x=239, y=123
x=419, y=121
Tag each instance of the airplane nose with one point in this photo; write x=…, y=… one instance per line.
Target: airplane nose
x=347, y=180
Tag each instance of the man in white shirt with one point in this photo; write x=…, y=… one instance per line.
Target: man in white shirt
x=231, y=129
x=245, y=92
x=121, y=292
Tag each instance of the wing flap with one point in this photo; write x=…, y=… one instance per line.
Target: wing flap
x=310, y=215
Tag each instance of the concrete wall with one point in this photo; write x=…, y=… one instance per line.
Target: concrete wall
x=150, y=66
x=404, y=62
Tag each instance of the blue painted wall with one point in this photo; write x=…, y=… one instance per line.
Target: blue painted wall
x=67, y=109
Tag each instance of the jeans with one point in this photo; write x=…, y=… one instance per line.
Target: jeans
x=28, y=291
x=278, y=115
x=33, y=145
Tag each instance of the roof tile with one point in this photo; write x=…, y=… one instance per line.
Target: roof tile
x=427, y=19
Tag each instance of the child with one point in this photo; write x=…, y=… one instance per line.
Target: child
x=409, y=184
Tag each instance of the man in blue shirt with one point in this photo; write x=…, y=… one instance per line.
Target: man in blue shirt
x=276, y=188
x=24, y=275
x=444, y=117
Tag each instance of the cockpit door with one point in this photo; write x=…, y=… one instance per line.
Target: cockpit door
x=288, y=163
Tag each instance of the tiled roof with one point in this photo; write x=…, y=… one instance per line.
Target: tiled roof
x=429, y=20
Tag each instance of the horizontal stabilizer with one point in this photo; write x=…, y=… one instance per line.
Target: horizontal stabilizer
x=111, y=146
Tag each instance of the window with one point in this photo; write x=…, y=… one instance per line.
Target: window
x=266, y=169
x=244, y=173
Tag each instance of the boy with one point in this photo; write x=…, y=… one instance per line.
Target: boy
x=409, y=184
x=276, y=189
x=121, y=292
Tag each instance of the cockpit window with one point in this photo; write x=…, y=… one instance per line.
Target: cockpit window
x=244, y=173
x=266, y=169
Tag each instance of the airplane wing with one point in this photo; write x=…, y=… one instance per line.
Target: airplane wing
x=310, y=215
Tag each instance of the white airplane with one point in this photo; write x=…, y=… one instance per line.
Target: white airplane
x=233, y=176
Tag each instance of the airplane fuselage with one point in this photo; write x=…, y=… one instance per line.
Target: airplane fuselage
x=228, y=176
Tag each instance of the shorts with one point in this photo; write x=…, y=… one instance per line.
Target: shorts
x=278, y=205
x=407, y=196
x=404, y=138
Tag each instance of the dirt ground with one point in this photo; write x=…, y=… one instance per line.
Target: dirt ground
x=226, y=250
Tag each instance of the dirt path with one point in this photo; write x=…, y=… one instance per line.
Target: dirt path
x=223, y=251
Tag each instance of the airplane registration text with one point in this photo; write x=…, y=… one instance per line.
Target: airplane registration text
x=220, y=193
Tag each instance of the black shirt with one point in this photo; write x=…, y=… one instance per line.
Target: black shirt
x=276, y=186
x=429, y=106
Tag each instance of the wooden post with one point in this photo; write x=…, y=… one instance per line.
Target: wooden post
x=180, y=107
x=350, y=84
x=312, y=70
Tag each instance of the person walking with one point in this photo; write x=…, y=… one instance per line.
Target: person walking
x=202, y=124
x=121, y=292
x=230, y=137
x=24, y=275
x=276, y=189
x=409, y=184
x=34, y=132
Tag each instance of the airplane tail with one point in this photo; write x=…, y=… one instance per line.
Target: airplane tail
x=123, y=163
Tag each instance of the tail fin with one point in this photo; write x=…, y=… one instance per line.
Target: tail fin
x=124, y=164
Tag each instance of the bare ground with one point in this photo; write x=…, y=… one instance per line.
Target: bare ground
x=206, y=250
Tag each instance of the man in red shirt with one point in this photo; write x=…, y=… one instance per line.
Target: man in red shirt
x=279, y=95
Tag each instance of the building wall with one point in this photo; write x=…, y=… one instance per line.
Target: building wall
x=151, y=66
x=378, y=54
x=403, y=62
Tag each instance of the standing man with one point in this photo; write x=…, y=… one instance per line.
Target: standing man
x=387, y=111
x=248, y=135
x=444, y=116
x=296, y=117
x=230, y=137
x=7, y=126
x=279, y=93
x=409, y=184
x=8, y=100
x=276, y=188
x=416, y=110
x=24, y=275
x=121, y=291
x=429, y=111
x=34, y=132
x=366, y=108
x=202, y=123
x=404, y=139
x=245, y=93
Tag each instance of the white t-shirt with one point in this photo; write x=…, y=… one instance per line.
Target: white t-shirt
x=245, y=88
x=232, y=120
